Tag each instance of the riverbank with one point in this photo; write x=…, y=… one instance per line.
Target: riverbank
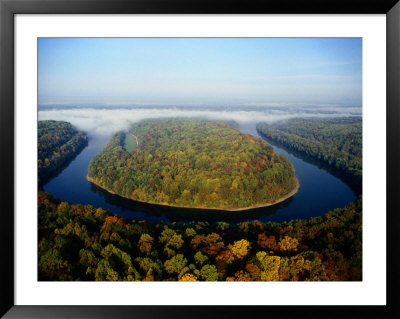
x=282, y=199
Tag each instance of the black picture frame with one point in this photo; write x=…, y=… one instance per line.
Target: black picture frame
x=8, y=8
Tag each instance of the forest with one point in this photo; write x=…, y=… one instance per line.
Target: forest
x=336, y=142
x=192, y=163
x=81, y=242
x=58, y=143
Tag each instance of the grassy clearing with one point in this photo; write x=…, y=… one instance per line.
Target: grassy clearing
x=130, y=144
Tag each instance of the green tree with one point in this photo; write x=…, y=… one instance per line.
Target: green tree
x=209, y=273
x=176, y=264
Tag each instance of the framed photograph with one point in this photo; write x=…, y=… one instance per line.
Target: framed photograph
x=193, y=159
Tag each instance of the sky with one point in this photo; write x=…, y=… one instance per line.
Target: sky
x=202, y=71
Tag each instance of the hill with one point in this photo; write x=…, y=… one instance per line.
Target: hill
x=193, y=163
x=58, y=143
x=336, y=142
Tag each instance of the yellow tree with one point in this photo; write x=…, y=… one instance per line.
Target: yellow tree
x=188, y=277
x=270, y=266
x=240, y=248
x=145, y=243
x=288, y=244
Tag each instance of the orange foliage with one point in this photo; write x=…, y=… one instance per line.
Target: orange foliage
x=253, y=270
x=288, y=244
x=242, y=276
x=188, y=277
x=149, y=277
x=111, y=220
x=114, y=220
x=240, y=248
x=211, y=244
x=257, y=224
x=267, y=242
x=225, y=256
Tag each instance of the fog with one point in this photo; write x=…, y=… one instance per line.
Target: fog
x=103, y=122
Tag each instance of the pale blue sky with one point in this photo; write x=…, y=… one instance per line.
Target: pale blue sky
x=203, y=70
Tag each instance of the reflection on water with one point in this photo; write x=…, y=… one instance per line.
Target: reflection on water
x=319, y=192
x=354, y=183
x=166, y=213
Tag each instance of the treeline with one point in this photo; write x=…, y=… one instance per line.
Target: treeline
x=189, y=163
x=80, y=242
x=58, y=143
x=336, y=142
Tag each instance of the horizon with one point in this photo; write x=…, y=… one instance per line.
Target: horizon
x=201, y=71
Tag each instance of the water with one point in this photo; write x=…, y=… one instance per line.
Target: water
x=319, y=192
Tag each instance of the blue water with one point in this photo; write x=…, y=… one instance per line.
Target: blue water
x=319, y=192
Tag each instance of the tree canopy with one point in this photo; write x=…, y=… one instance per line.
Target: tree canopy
x=335, y=141
x=81, y=242
x=192, y=163
x=58, y=143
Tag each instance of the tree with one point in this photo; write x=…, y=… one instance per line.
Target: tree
x=269, y=265
x=288, y=244
x=240, y=248
x=209, y=273
x=176, y=264
x=200, y=258
x=190, y=232
x=267, y=242
x=53, y=266
x=105, y=272
x=150, y=267
x=145, y=243
x=188, y=277
x=240, y=276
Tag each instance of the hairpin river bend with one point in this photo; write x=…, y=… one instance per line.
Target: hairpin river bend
x=319, y=192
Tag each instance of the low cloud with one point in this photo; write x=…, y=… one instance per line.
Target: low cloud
x=105, y=122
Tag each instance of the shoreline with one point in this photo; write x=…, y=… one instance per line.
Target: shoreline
x=282, y=199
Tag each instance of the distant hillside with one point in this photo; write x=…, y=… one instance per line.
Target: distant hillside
x=336, y=142
x=58, y=143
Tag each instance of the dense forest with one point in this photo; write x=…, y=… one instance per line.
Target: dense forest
x=80, y=242
x=192, y=163
x=58, y=143
x=335, y=141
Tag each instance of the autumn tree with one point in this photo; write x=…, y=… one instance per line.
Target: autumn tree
x=188, y=277
x=175, y=265
x=287, y=244
x=209, y=273
x=240, y=248
x=269, y=242
x=269, y=265
x=145, y=243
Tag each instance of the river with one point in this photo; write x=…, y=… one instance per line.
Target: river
x=319, y=192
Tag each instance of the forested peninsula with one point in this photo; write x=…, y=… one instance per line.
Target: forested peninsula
x=193, y=163
x=337, y=142
x=58, y=144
